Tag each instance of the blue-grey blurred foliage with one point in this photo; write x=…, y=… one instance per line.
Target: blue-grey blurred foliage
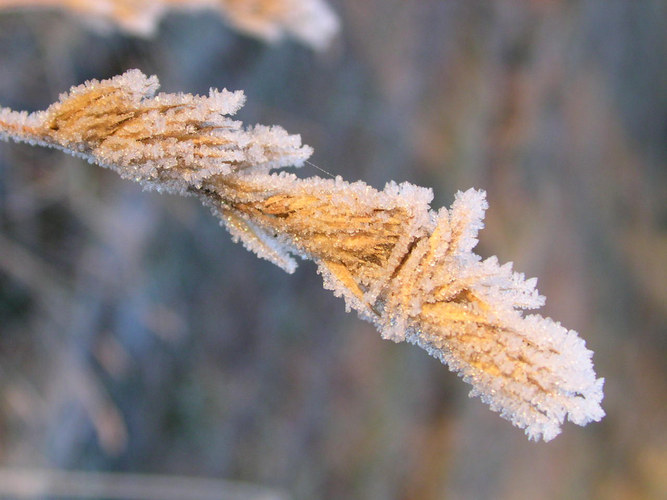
x=135, y=336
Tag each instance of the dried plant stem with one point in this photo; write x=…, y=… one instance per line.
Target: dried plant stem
x=401, y=265
x=35, y=483
x=310, y=21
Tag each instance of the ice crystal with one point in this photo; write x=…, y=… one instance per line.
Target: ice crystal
x=408, y=269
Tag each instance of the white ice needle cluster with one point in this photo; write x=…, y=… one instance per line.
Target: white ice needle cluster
x=401, y=265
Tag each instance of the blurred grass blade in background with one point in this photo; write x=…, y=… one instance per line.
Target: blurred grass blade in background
x=36, y=483
x=312, y=22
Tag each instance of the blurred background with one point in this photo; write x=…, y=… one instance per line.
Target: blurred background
x=135, y=337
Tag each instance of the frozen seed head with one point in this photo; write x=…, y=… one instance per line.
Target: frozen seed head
x=408, y=269
x=411, y=271
x=312, y=22
x=169, y=142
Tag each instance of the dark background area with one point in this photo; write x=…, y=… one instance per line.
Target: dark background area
x=136, y=337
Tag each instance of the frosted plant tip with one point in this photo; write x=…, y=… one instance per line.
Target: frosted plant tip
x=408, y=269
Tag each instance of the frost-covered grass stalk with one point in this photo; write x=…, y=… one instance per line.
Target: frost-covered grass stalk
x=401, y=265
x=312, y=22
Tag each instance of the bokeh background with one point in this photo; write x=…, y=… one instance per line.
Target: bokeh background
x=135, y=337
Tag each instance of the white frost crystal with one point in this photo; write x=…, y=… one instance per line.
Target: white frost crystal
x=401, y=265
